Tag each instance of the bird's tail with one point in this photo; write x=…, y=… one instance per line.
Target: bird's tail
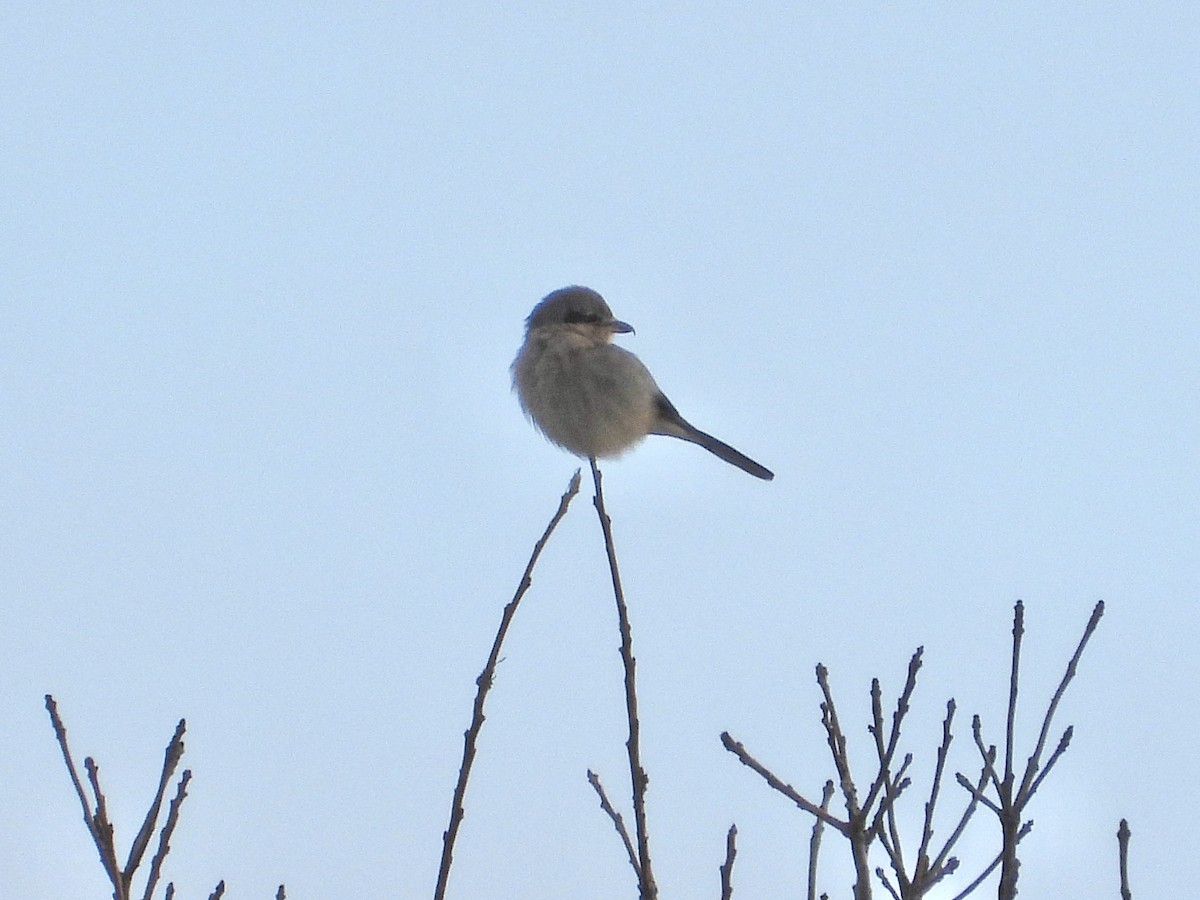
x=727, y=453
x=675, y=425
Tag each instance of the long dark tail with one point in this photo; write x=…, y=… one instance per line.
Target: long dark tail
x=675, y=425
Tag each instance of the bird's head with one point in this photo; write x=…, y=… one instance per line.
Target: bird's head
x=578, y=309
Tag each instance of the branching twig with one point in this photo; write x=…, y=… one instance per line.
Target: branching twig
x=821, y=812
x=101, y=828
x=1011, y=799
x=60, y=733
x=1028, y=785
x=647, y=888
x=617, y=820
x=164, y=836
x=924, y=870
x=944, y=863
x=1024, y=830
x=137, y=850
x=484, y=682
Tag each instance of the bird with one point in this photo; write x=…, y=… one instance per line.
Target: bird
x=590, y=396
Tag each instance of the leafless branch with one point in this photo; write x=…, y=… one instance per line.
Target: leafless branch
x=727, y=866
x=1123, y=835
x=1025, y=829
x=1028, y=786
x=137, y=850
x=484, y=683
x=821, y=812
x=814, y=844
x=1011, y=800
x=647, y=888
x=101, y=828
x=164, y=836
x=617, y=820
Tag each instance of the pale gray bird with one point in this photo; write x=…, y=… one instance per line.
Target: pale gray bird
x=591, y=397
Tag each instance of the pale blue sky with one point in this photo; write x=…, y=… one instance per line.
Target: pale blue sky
x=263, y=268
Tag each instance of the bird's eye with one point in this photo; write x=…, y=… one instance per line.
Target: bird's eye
x=577, y=316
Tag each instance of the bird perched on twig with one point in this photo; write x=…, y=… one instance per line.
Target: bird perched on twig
x=590, y=396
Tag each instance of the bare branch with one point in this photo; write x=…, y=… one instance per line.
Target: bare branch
x=939, y=770
x=97, y=823
x=1063, y=743
x=814, y=844
x=727, y=868
x=837, y=743
x=647, y=888
x=1014, y=674
x=104, y=832
x=617, y=820
x=484, y=682
x=171, y=757
x=1025, y=829
x=976, y=792
x=787, y=790
x=882, y=876
x=1031, y=767
x=164, y=836
x=1123, y=835
x=902, y=707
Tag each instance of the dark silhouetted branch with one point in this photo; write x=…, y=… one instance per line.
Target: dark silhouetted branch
x=617, y=820
x=727, y=866
x=647, y=888
x=1123, y=835
x=484, y=683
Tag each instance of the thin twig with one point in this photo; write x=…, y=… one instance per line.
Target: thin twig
x=137, y=850
x=647, y=888
x=902, y=707
x=97, y=822
x=823, y=814
x=1123, y=835
x=977, y=793
x=1031, y=768
x=814, y=843
x=104, y=832
x=923, y=868
x=1063, y=743
x=837, y=743
x=484, y=682
x=617, y=820
x=858, y=831
x=1018, y=633
x=60, y=733
x=1025, y=829
x=1011, y=800
x=164, y=836
x=219, y=892
x=882, y=876
x=727, y=867
x=941, y=863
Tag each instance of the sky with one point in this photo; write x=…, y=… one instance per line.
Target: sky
x=263, y=269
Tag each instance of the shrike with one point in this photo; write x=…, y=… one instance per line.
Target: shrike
x=591, y=397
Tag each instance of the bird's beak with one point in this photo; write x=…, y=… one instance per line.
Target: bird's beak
x=616, y=326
